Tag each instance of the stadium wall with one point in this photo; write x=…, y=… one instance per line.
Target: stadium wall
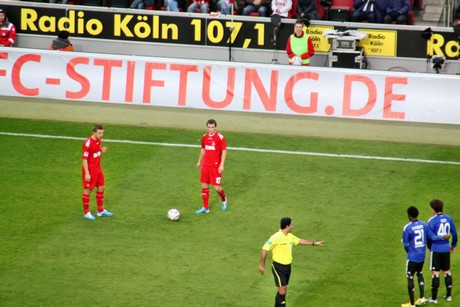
x=183, y=35
x=229, y=86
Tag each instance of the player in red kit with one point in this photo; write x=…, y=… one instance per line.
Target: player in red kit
x=211, y=164
x=92, y=174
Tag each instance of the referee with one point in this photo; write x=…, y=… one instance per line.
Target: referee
x=281, y=244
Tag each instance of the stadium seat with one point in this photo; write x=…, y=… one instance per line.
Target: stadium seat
x=341, y=10
x=410, y=15
x=320, y=9
x=57, y=1
x=91, y=2
x=293, y=12
x=164, y=8
x=118, y=3
x=410, y=18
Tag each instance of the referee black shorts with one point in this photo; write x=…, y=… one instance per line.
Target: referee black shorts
x=281, y=273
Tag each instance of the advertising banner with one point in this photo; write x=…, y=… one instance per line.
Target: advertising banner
x=263, y=88
x=205, y=30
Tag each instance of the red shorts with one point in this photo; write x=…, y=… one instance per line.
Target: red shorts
x=210, y=174
x=97, y=180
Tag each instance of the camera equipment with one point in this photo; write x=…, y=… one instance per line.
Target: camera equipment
x=437, y=61
x=230, y=43
x=306, y=21
x=345, y=51
x=276, y=22
x=427, y=33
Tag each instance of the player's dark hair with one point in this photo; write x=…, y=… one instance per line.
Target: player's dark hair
x=97, y=127
x=300, y=21
x=285, y=222
x=437, y=205
x=211, y=122
x=412, y=212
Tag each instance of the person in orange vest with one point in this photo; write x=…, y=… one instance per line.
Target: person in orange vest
x=62, y=42
x=7, y=30
x=299, y=46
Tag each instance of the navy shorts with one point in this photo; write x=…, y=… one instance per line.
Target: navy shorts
x=440, y=261
x=414, y=267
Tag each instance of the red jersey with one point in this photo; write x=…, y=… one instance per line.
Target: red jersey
x=213, y=146
x=7, y=33
x=92, y=152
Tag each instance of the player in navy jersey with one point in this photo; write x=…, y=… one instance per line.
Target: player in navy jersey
x=414, y=238
x=211, y=165
x=441, y=224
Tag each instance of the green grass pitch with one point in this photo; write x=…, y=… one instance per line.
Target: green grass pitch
x=51, y=256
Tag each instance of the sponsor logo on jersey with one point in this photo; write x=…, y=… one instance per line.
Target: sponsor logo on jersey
x=210, y=147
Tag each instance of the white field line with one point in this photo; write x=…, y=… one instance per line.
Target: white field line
x=286, y=152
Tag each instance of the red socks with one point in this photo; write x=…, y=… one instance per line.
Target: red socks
x=100, y=201
x=222, y=194
x=205, y=196
x=85, y=199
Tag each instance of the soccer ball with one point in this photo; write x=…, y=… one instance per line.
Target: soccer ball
x=173, y=214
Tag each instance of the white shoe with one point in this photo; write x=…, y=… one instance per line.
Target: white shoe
x=420, y=301
x=224, y=205
x=202, y=210
x=89, y=216
x=448, y=298
x=430, y=300
x=104, y=213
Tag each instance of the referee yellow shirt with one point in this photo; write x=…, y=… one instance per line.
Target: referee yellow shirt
x=281, y=246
